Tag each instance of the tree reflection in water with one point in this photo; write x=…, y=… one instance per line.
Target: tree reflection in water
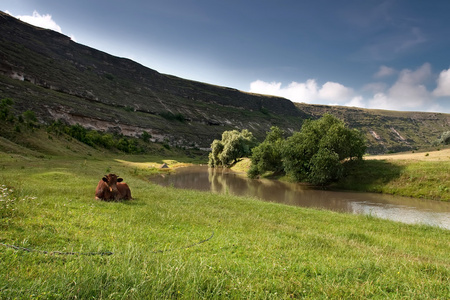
x=225, y=181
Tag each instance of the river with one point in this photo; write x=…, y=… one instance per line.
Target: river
x=402, y=209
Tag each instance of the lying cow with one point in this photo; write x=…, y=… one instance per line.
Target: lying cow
x=111, y=188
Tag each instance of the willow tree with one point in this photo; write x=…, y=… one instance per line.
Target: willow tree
x=234, y=145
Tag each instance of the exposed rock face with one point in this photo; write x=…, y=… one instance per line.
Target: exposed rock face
x=48, y=73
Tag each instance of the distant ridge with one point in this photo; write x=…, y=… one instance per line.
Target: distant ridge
x=57, y=78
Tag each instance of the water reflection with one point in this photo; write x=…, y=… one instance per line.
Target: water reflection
x=396, y=208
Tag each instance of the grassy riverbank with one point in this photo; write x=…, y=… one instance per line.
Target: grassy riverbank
x=418, y=175
x=258, y=250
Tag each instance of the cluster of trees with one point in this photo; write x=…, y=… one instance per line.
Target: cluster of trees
x=95, y=138
x=92, y=138
x=315, y=154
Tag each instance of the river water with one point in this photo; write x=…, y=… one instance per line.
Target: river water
x=402, y=209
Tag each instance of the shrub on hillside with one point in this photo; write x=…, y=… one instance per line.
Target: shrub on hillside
x=445, y=138
x=5, y=105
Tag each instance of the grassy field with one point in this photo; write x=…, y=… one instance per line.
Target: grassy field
x=181, y=244
x=435, y=155
x=170, y=243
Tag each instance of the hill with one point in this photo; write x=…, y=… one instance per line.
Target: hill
x=57, y=78
x=388, y=131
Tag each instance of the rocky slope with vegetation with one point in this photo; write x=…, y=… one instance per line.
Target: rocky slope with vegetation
x=59, y=79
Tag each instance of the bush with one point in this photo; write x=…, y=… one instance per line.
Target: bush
x=29, y=116
x=4, y=109
x=78, y=132
x=145, y=136
x=172, y=117
x=127, y=146
x=445, y=138
x=107, y=141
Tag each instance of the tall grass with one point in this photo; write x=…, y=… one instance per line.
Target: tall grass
x=259, y=250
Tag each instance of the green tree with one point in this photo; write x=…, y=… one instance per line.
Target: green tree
x=216, y=149
x=145, y=136
x=107, y=141
x=123, y=145
x=57, y=127
x=315, y=154
x=325, y=166
x=267, y=155
x=93, y=138
x=78, y=132
x=234, y=145
x=29, y=116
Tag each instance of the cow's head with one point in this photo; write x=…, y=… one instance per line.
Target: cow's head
x=111, y=181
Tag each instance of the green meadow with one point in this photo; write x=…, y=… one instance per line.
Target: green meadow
x=182, y=244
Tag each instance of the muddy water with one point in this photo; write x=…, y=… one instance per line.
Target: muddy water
x=402, y=209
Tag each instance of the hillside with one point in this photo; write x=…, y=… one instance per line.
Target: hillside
x=48, y=73
x=387, y=131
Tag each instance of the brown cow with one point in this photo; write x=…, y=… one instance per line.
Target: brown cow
x=111, y=188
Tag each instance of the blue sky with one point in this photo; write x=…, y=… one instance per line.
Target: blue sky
x=392, y=54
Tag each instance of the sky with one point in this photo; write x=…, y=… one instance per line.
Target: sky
x=392, y=54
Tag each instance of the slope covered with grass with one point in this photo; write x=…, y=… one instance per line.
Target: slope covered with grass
x=170, y=243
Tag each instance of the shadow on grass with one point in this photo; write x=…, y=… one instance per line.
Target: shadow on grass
x=368, y=175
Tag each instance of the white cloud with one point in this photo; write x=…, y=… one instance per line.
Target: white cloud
x=334, y=91
x=308, y=92
x=262, y=87
x=408, y=92
x=384, y=72
x=357, y=101
x=443, y=84
x=298, y=92
x=44, y=21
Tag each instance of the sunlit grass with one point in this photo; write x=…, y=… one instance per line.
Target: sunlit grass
x=419, y=179
x=258, y=250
